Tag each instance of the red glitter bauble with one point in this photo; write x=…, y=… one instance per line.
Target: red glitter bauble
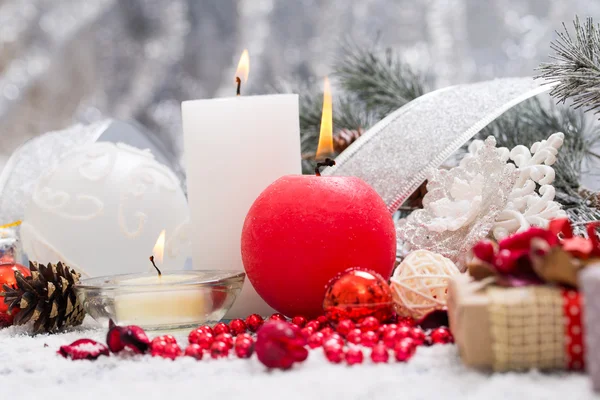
x=404, y=350
x=201, y=337
x=219, y=350
x=369, y=339
x=280, y=344
x=380, y=354
x=335, y=354
x=253, y=322
x=441, y=335
x=237, y=326
x=194, y=350
x=226, y=338
x=354, y=355
x=315, y=340
x=354, y=336
x=7, y=277
x=244, y=346
x=356, y=294
x=300, y=321
x=345, y=326
x=221, y=327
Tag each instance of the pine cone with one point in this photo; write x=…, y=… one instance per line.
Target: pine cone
x=344, y=138
x=46, y=297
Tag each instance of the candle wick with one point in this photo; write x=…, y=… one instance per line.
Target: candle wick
x=152, y=261
x=327, y=163
x=239, y=84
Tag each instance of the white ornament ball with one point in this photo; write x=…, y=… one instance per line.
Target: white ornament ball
x=102, y=210
x=420, y=283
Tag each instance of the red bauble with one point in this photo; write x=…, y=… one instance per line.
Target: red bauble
x=354, y=355
x=280, y=344
x=335, y=354
x=277, y=317
x=354, y=336
x=253, y=322
x=303, y=230
x=84, y=349
x=300, y=321
x=165, y=349
x=7, y=277
x=441, y=335
x=404, y=350
x=131, y=337
x=237, y=326
x=226, y=338
x=344, y=327
x=380, y=354
x=221, y=327
x=219, y=350
x=369, y=339
x=315, y=340
x=356, y=294
x=418, y=335
x=202, y=338
x=194, y=350
x=369, y=324
x=244, y=346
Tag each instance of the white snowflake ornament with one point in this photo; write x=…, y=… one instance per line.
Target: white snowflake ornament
x=531, y=202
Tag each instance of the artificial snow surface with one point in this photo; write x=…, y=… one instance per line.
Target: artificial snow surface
x=30, y=368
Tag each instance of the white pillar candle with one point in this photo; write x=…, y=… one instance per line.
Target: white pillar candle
x=234, y=148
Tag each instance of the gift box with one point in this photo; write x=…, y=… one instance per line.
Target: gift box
x=516, y=328
x=589, y=280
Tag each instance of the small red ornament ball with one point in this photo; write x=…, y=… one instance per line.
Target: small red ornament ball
x=219, y=350
x=7, y=277
x=357, y=294
x=244, y=346
x=277, y=317
x=237, y=326
x=441, y=335
x=344, y=327
x=194, y=350
x=369, y=324
x=335, y=354
x=221, y=327
x=380, y=354
x=226, y=338
x=201, y=337
x=300, y=321
x=253, y=322
x=280, y=344
x=165, y=349
x=303, y=230
x=354, y=355
x=404, y=350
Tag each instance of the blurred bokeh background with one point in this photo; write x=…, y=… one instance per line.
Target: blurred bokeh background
x=68, y=61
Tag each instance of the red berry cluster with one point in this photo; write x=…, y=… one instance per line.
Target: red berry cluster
x=278, y=343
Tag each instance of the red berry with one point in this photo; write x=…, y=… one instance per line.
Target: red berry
x=354, y=355
x=277, y=317
x=327, y=331
x=219, y=350
x=418, y=335
x=323, y=321
x=335, y=354
x=299, y=320
x=83, y=349
x=165, y=350
x=404, y=350
x=253, y=322
x=369, y=324
x=201, y=337
x=380, y=354
x=279, y=344
x=244, y=346
x=225, y=338
x=313, y=324
x=237, y=326
x=344, y=326
x=441, y=335
x=220, y=327
x=315, y=340
x=369, y=339
x=354, y=336
x=194, y=350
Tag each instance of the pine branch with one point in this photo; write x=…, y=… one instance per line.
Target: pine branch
x=576, y=66
x=382, y=82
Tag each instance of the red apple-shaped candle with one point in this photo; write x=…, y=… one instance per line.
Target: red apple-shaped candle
x=303, y=230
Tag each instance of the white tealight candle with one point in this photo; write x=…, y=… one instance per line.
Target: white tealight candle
x=234, y=148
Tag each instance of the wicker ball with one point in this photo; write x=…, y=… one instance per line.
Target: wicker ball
x=420, y=283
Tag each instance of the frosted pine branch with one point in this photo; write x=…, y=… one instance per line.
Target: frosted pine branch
x=576, y=66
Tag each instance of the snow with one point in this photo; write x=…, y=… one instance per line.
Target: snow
x=29, y=366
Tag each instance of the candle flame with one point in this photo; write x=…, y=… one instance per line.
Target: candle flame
x=243, y=68
x=159, y=247
x=325, y=147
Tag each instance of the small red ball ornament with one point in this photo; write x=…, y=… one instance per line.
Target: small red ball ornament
x=237, y=326
x=327, y=331
x=194, y=350
x=369, y=339
x=404, y=350
x=300, y=321
x=226, y=338
x=221, y=327
x=280, y=344
x=335, y=354
x=202, y=338
x=357, y=293
x=253, y=322
x=369, y=324
x=165, y=349
x=380, y=354
x=7, y=277
x=354, y=355
x=345, y=326
x=219, y=350
x=287, y=258
x=277, y=317
x=244, y=346
x=418, y=335
x=441, y=335
x=354, y=336
x=315, y=340
x=307, y=332
x=333, y=340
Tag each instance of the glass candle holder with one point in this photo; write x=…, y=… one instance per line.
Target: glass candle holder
x=173, y=300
